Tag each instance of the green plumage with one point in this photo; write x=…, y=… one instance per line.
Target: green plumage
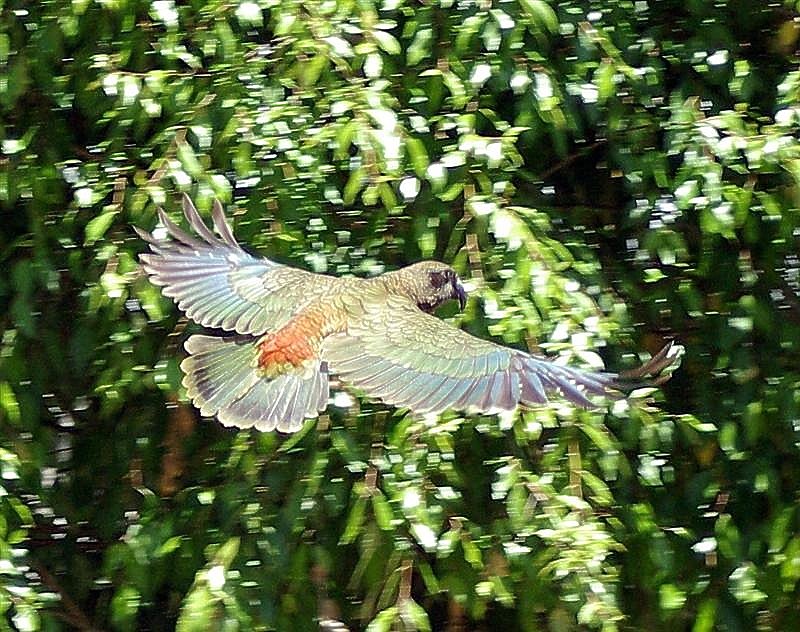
x=375, y=334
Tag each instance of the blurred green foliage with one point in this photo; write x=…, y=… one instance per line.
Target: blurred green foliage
x=606, y=174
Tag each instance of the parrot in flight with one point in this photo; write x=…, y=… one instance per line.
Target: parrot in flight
x=286, y=331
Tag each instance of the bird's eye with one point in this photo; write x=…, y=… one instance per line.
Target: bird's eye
x=438, y=278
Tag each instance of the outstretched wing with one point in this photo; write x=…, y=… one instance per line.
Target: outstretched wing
x=411, y=359
x=218, y=284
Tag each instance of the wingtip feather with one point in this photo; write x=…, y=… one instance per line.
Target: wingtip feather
x=654, y=372
x=144, y=235
x=222, y=226
x=192, y=215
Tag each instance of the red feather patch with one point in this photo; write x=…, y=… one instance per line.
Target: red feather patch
x=291, y=346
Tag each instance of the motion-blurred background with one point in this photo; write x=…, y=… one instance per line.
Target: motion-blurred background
x=605, y=175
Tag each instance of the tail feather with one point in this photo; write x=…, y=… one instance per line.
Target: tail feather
x=221, y=378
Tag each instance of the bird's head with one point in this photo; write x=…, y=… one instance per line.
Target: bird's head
x=431, y=283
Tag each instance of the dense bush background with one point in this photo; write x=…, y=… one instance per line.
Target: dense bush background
x=607, y=175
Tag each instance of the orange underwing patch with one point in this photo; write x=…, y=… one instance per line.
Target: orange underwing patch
x=291, y=346
x=280, y=349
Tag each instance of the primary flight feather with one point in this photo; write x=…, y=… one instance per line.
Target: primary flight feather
x=288, y=330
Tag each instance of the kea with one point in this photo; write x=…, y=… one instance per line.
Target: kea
x=284, y=331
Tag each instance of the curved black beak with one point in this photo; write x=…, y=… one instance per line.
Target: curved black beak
x=460, y=293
